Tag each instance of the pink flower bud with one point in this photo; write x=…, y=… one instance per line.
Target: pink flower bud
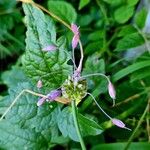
x=41, y=101
x=50, y=48
x=111, y=90
x=74, y=28
x=119, y=123
x=39, y=84
x=75, y=39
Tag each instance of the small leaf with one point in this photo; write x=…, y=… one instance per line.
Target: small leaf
x=130, y=41
x=63, y=9
x=123, y=14
x=83, y=3
x=66, y=125
x=126, y=30
x=140, y=18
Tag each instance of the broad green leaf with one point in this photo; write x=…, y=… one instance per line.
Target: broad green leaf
x=119, y=146
x=123, y=14
x=130, y=69
x=12, y=77
x=126, y=30
x=50, y=67
x=93, y=47
x=129, y=41
x=83, y=3
x=96, y=35
x=113, y=2
x=140, y=18
x=13, y=137
x=66, y=125
x=132, y=2
x=63, y=9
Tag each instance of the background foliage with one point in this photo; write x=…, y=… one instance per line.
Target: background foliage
x=115, y=36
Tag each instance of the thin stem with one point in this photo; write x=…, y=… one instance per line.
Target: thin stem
x=99, y=106
x=137, y=127
x=96, y=74
x=74, y=110
x=18, y=96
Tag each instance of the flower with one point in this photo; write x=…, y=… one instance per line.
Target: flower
x=50, y=48
x=111, y=90
x=39, y=84
x=49, y=97
x=119, y=123
x=75, y=39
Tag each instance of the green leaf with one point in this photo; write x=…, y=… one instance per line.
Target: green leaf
x=13, y=137
x=140, y=18
x=50, y=67
x=83, y=3
x=96, y=35
x=12, y=77
x=130, y=69
x=132, y=3
x=66, y=125
x=129, y=41
x=118, y=146
x=123, y=14
x=126, y=30
x=63, y=9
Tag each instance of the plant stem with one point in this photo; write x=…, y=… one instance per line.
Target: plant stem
x=74, y=111
x=137, y=127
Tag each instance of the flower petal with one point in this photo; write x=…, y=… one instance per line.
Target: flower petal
x=39, y=84
x=111, y=90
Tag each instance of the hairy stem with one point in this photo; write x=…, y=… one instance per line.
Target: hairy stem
x=74, y=111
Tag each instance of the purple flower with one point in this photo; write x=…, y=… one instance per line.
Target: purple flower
x=50, y=48
x=75, y=39
x=119, y=123
x=50, y=97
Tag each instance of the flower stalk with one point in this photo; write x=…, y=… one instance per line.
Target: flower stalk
x=74, y=111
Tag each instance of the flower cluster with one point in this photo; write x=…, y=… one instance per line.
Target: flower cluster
x=75, y=87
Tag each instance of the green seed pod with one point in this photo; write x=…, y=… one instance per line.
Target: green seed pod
x=74, y=90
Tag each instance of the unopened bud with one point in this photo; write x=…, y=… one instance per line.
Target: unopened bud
x=119, y=124
x=112, y=92
x=39, y=84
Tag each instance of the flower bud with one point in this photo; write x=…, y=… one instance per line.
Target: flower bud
x=119, y=123
x=50, y=48
x=39, y=84
x=111, y=90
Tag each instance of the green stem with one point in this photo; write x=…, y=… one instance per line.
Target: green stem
x=137, y=127
x=74, y=110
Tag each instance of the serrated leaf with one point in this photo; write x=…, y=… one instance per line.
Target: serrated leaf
x=129, y=41
x=50, y=67
x=130, y=69
x=123, y=14
x=66, y=125
x=63, y=9
x=140, y=18
x=83, y=3
x=13, y=137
